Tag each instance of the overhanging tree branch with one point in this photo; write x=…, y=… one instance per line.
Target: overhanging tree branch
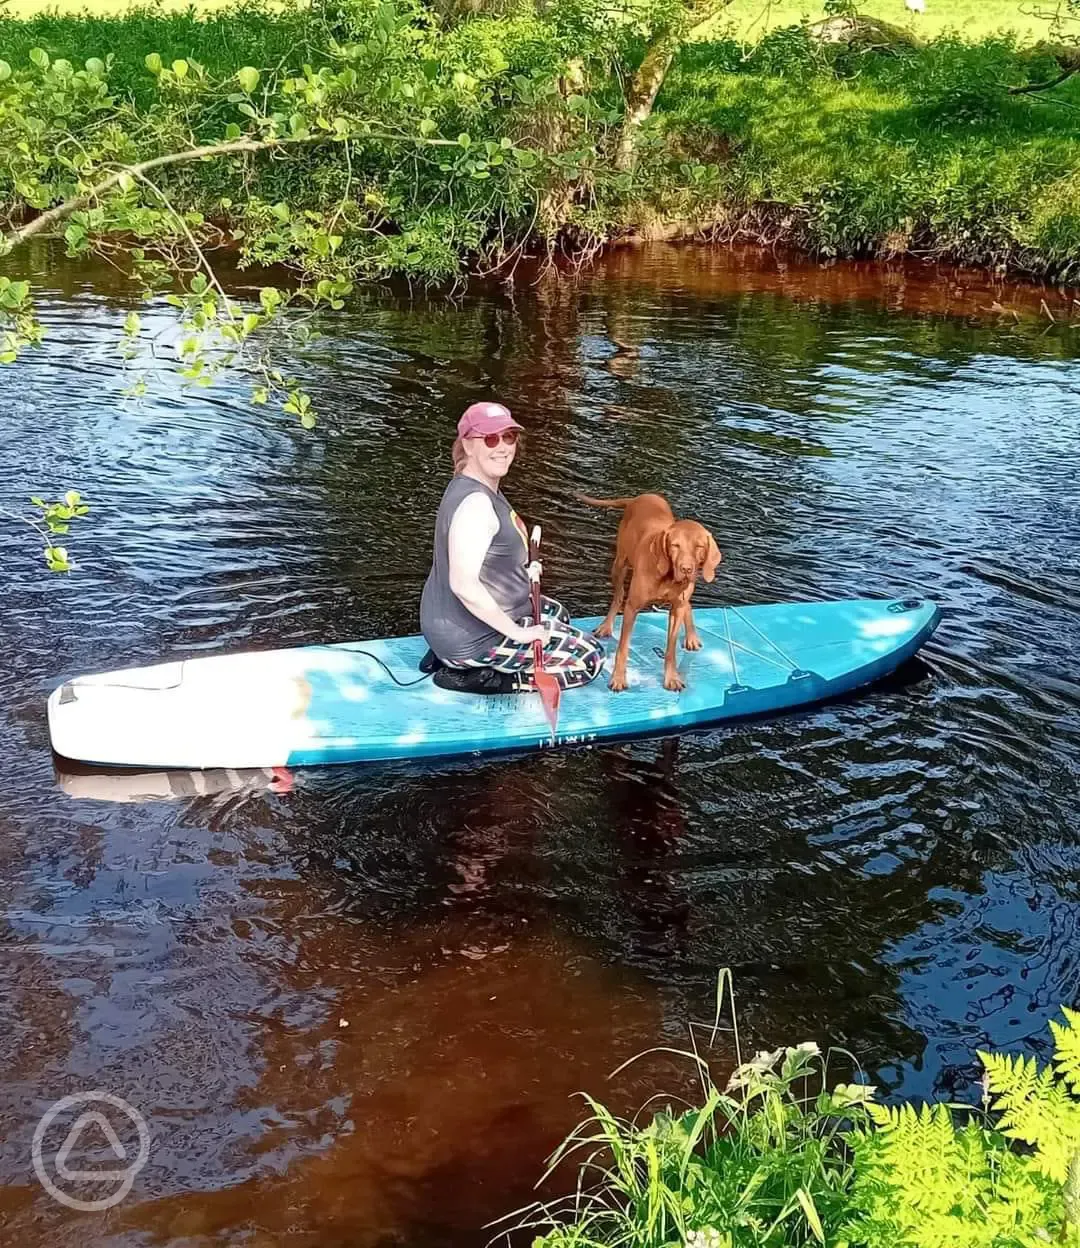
x=1032, y=87
x=61, y=212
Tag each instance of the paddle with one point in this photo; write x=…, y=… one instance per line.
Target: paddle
x=546, y=685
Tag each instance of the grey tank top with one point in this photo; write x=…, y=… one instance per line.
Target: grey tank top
x=451, y=629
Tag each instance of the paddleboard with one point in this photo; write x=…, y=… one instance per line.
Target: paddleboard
x=343, y=703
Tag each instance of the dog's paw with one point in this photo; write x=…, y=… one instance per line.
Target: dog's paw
x=617, y=684
x=692, y=643
x=604, y=630
x=674, y=683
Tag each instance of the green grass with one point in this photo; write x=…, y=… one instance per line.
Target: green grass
x=221, y=36
x=971, y=19
x=23, y=9
x=748, y=19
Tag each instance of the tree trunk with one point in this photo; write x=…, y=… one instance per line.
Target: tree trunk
x=646, y=83
x=641, y=96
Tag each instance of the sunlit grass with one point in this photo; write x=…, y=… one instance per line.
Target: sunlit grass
x=104, y=8
x=971, y=19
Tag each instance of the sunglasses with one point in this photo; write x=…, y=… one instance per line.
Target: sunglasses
x=509, y=436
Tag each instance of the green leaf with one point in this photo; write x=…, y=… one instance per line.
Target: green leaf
x=180, y=68
x=808, y=1207
x=846, y=1095
x=308, y=420
x=248, y=78
x=464, y=140
x=260, y=394
x=39, y=57
x=153, y=63
x=199, y=283
x=38, y=502
x=126, y=182
x=72, y=498
x=247, y=109
x=232, y=131
x=5, y=71
x=95, y=65
x=131, y=323
x=428, y=126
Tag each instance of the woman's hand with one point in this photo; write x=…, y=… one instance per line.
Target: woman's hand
x=533, y=632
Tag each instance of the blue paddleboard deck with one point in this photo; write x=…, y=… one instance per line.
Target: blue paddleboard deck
x=338, y=703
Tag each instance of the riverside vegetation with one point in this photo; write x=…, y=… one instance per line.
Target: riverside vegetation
x=351, y=140
x=780, y=1159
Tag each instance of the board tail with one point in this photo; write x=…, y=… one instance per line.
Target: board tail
x=616, y=504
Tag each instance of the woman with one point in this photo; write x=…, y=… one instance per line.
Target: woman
x=475, y=609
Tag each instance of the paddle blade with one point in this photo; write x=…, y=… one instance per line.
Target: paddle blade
x=546, y=686
x=549, y=690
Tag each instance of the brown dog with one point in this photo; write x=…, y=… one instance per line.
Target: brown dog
x=657, y=559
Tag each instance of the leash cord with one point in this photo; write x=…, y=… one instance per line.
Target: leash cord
x=404, y=684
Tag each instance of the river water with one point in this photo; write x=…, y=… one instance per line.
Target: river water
x=353, y=1006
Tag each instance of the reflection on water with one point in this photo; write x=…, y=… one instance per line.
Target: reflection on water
x=354, y=1003
x=127, y=784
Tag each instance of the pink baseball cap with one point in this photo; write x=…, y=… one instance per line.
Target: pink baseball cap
x=481, y=419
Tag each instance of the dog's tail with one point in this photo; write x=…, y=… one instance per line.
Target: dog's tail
x=617, y=504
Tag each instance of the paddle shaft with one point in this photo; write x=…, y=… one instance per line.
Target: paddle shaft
x=547, y=686
x=534, y=589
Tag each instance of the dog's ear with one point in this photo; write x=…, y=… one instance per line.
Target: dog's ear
x=712, y=560
x=661, y=553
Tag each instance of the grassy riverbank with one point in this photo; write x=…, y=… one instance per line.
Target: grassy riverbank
x=834, y=150
x=924, y=152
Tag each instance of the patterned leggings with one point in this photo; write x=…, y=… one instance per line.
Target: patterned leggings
x=570, y=655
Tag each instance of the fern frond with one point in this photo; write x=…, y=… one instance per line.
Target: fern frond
x=1067, y=1047
x=1011, y=1079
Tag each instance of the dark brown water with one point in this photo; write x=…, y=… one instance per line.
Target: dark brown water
x=897, y=873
